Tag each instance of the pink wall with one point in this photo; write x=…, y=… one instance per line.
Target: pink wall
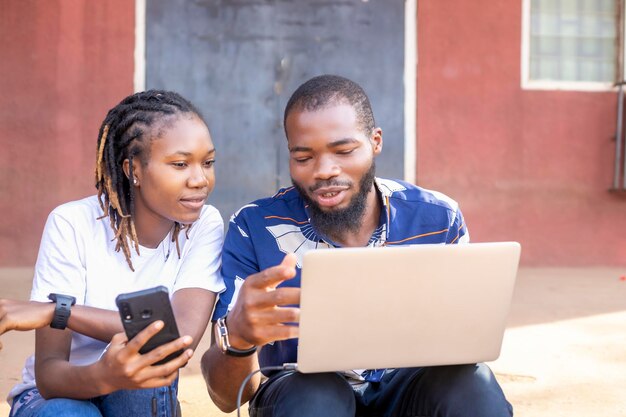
x=63, y=65
x=531, y=166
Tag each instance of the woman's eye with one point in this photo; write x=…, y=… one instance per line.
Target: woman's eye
x=209, y=164
x=179, y=164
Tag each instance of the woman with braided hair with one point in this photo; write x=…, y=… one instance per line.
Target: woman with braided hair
x=148, y=225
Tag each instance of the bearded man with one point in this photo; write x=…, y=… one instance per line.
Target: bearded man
x=335, y=201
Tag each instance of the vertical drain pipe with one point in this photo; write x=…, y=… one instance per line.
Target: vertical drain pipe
x=618, y=138
x=623, y=151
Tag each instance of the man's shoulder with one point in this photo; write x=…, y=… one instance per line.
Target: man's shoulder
x=399, y=191
x=285, y=203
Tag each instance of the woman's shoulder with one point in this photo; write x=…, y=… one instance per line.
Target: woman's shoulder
x=210, y=222
x=86, y=211
x=88, y=206
x=77, y=223
x=209, y=214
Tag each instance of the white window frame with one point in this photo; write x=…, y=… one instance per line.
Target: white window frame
x=528, y=84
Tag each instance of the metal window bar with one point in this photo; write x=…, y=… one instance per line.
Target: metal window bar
x=619, y=169
x=619, y=175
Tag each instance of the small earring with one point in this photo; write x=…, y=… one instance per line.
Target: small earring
x=135, y=181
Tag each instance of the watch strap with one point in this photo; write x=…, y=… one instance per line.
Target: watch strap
x=224, y=342
x=62, y=310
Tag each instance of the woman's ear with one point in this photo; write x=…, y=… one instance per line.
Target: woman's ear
x=126, y=168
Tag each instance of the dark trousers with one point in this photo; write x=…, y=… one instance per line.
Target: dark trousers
x=442, y=391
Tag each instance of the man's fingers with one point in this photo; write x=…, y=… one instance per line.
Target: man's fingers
x=263, y=300
x=280, y=315
x=283, y=296
x=282, y=332
x=272, y=277
x=270, y=325
x=289, y=261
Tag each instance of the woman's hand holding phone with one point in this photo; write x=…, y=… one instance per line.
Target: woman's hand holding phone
x=123, y=367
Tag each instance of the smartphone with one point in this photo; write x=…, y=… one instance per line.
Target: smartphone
x=139, y=309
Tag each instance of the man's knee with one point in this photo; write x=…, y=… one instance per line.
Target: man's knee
x=299, y=394
x=326, y=385
x=472, y=378
x=469, y=387
x=474, y=375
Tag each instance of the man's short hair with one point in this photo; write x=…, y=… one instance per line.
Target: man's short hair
x=325, y=90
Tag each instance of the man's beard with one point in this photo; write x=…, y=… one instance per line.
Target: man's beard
x=336, y=222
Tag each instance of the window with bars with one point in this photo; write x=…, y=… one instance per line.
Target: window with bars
x=571, y=43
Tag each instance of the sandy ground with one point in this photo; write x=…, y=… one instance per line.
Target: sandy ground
x=564, y=351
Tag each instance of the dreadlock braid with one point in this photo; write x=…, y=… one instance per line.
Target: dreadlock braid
x=125, y=135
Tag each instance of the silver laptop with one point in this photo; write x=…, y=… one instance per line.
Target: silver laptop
x=404, y=306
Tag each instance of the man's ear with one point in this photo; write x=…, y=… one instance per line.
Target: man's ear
x=377, y=140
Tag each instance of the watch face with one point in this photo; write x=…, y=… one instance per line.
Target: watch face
x=220, y=334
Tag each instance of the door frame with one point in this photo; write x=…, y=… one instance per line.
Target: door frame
x=410, y=76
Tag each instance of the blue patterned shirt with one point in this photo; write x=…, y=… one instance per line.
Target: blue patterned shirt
x=261, y=233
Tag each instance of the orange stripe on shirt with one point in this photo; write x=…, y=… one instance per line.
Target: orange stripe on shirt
x=458, y=233
x=286, y=218
x=284, y=192
x=418, y=236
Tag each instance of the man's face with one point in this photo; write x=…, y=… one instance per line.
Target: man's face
x=332, y=163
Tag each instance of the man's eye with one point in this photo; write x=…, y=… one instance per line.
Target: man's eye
x=302, y=159
x=345, y=151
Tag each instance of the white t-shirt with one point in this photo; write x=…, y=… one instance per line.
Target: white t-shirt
x=77, y=257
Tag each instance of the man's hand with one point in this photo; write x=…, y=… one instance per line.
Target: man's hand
x=259, y=315
x=123, y=367
x=24, y=315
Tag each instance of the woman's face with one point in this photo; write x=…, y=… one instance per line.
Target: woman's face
x=178, y=175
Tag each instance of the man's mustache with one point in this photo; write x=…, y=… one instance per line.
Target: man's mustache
x=329, y=183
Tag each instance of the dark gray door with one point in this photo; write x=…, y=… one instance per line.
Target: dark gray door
x=239, y=61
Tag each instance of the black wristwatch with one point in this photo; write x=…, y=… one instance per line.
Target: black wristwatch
x=221, y=337
x=62, y=310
